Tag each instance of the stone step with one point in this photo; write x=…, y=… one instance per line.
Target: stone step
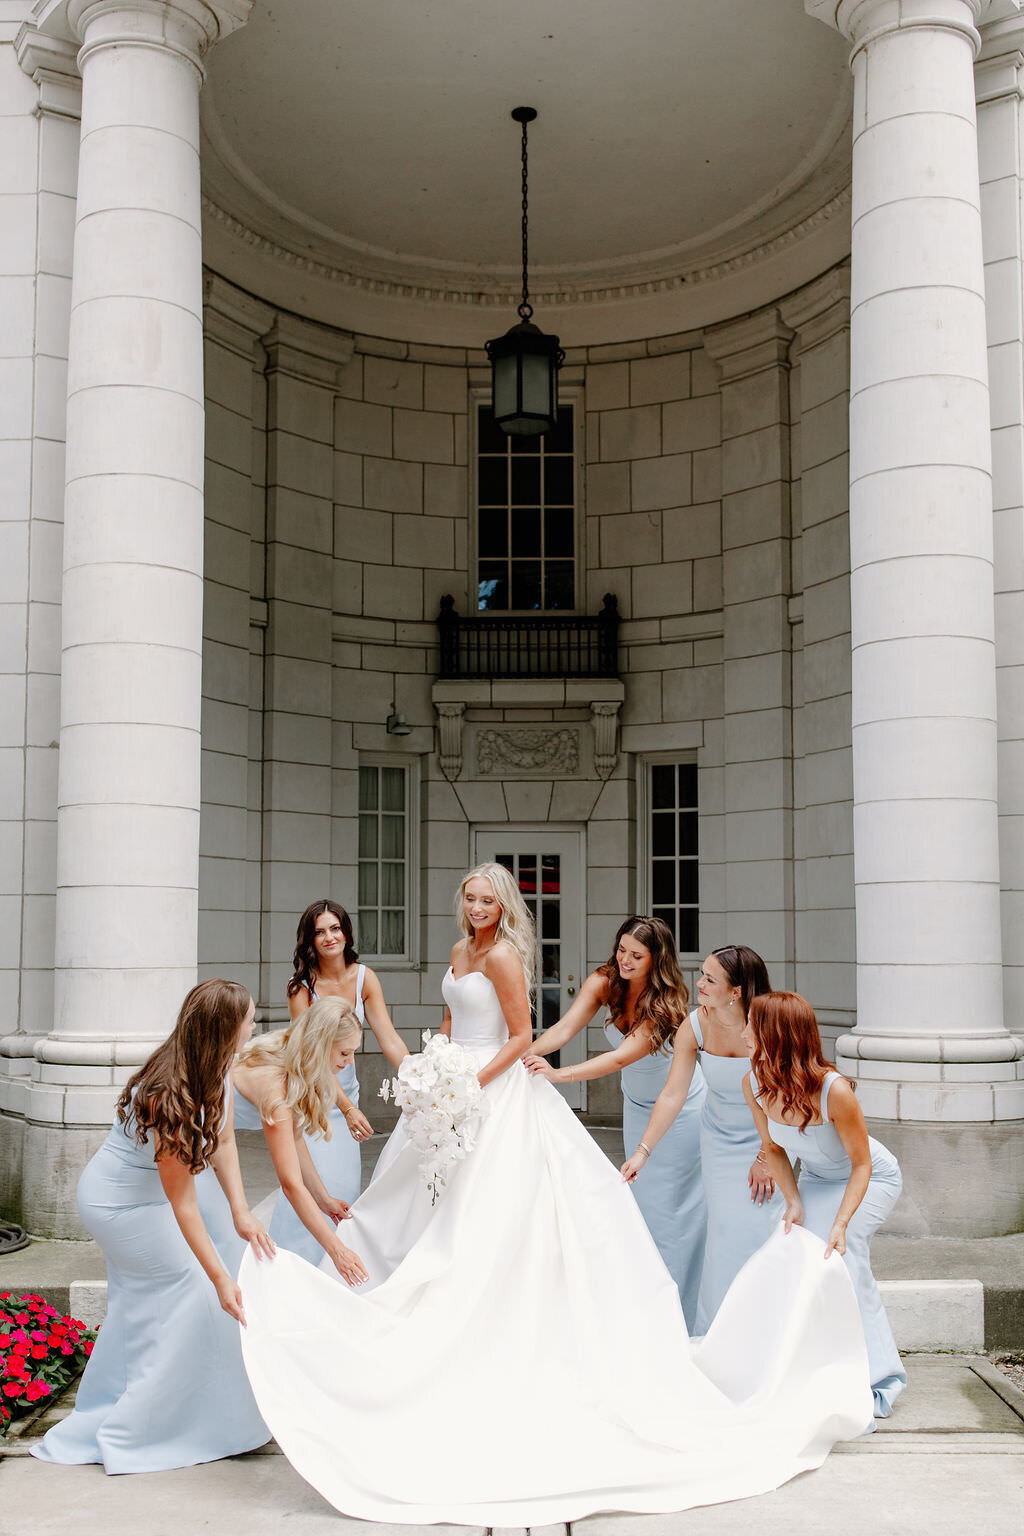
x=926, y=1315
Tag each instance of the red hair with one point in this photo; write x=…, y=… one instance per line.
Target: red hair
x=787, y=1059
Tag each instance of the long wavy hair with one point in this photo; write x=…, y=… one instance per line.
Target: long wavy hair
x=745, y=969
x=665, y=998
x=515, y=925
x=787, y=1059
x=304, y=960
x=302, y=1054
x=177, y=1096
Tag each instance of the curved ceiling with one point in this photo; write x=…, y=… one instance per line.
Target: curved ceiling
x=374, y=140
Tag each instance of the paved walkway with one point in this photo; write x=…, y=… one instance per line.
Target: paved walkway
x=950, y=1459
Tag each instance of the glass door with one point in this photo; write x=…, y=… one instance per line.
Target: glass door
x=548, y=868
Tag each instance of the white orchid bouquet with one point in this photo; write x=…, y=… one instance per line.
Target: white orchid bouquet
x=443, y=1106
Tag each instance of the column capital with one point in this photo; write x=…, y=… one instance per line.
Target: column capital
x=188, y=27
x=861, y=21
x=750, y=345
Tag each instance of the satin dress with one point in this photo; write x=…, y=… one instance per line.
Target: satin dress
x=533, y=1287
x=824, y=1171
x=729, y=1143
x=337, y=1161
x=165, y=1385
x=669, y=1189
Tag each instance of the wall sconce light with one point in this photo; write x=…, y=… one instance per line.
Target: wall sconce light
x=525, y=362
x=397, y=725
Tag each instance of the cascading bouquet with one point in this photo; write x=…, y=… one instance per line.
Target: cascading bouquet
x=443, y=1106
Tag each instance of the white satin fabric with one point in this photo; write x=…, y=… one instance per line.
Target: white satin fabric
x=519, y=1355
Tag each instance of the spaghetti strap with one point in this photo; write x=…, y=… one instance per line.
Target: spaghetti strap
x=695, y=1026
x=830, y=1078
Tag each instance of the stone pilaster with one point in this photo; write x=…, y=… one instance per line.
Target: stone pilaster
x=823, y=780
x=752, y=357
x=300, y=753
x=931, y=1046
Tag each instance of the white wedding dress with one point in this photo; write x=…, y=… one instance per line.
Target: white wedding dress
x=519, y=1356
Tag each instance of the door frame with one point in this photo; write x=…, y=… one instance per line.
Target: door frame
x=571, y=841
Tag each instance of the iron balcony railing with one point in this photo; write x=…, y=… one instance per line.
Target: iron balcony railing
x=533, y=645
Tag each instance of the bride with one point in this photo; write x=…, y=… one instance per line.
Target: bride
x=533, y=1295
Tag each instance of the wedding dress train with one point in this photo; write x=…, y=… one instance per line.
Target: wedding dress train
x=519, y=1356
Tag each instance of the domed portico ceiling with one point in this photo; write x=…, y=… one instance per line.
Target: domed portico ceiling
x=688, y=161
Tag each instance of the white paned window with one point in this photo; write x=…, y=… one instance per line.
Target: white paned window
x=386, y=910
x=669, y=866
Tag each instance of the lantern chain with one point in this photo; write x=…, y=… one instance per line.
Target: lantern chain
x=525, y=310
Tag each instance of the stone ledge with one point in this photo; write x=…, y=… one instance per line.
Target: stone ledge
x=933, y=1315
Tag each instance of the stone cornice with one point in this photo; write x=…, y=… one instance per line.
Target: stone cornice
x=52, y=62
x=304, y=350
x=186, y=27
x=862, y=21
x=750, y=345
x=819, y=311
x=497, y=294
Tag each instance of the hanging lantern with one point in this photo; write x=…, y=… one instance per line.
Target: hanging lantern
x=525, y=362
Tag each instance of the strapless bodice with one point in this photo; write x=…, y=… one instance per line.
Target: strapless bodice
x=477, y=1019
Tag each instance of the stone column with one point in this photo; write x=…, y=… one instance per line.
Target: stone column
x=930, y=1044
x=753, y=360
x=999, y=88
x=128, y=793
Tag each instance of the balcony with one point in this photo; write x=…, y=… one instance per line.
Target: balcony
x=549, y=645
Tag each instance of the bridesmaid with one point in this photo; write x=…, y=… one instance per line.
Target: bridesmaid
x=165, y=1385
x=326, y=964
x=288, y=1081
x=642, y=988
x=738, y=1187
x=848, y=1181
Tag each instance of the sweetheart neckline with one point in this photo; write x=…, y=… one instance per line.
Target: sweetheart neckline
x=451, y=972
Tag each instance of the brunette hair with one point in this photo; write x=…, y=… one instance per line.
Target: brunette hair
x=178, y=1095
x=302, y=1054
x=745, y=969
x=787, y=1059
x=305, y=956
x=665, y=998
x=515, y=925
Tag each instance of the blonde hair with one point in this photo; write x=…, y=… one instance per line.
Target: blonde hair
x=302, y=1054
x=515, y=925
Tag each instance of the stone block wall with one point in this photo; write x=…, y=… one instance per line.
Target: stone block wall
x=714, y=508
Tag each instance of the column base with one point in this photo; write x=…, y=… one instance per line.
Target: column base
x=960, y=1179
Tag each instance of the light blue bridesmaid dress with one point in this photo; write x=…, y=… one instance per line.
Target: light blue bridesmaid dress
x=337, y=1161
x=165, y=1385
x=669, y=1190
x=824, y=1171
x=729, y=1142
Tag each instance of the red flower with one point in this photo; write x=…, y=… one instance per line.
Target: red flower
x=38, y=1334
x=12, y=1388
x=39, y=1352
x=90, y=1345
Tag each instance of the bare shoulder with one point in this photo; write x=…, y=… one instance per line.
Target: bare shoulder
x=842, y=1097
x=502, y=963
x=684, y=1038
x=458, y=948
x=597, y=984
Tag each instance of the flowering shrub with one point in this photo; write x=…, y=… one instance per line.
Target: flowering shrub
x=40, y=1352
x=442, y=1104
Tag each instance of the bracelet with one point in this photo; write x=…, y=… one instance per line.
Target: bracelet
x=569, y=1079
x=646, y=1148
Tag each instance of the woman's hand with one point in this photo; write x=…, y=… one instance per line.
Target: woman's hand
x=358, y=1125
x=539, y=1066
x=335, y=1210
x=230, y=1296
x=836, y=1239
x=255, y=1233
x=762, y=1185
x=348, y=1264
x=793, y=1215
x=632, y=1166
